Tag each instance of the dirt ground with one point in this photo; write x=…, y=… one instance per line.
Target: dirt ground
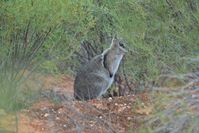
x=57, y=112
x=69, y=116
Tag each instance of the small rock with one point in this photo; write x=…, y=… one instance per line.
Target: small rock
x=100, y=117
x=46, y=115
x=64, y=125
x=60, y=111
x=128, y=107
x=57, y=118
x=53, y=111
x=121, y=109
x=43, y=109
x=110, y=99
x=129, y=118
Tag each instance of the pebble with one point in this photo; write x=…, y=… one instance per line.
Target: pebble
x=46, y=115
x=128, y=118
x=110, y=99
x=64, y=125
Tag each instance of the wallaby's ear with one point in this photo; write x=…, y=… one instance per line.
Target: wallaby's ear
x=115, y=36
x=114, y=42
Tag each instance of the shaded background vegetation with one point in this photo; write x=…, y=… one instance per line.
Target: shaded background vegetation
x=57, y=37
x=47, y=36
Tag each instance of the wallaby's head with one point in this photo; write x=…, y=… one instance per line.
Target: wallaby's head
x=118, y=45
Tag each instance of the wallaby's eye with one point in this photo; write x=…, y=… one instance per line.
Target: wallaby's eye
x=121, y=45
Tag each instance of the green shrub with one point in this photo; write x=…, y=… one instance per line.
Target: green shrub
x=161, y=35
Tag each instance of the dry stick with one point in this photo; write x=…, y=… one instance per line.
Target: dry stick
x=178, y=13
x=24, y=48
x=84, y=45
x=125, y=76
x=76, y=123
x=17, y=122
x=83, y=116
x=192, y=4
x=81, y=57
x=89, y=50
x=31, y=55
x=91, y=107
x=25, y=43
x=40, y=38
x=14, y=55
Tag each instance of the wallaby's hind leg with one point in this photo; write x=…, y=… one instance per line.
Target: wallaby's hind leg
x=86, y=89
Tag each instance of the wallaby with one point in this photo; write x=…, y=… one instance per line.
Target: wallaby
x=94, y=78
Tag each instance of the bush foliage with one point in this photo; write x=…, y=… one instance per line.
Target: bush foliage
x=161, y=35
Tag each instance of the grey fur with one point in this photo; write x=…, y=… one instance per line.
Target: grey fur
x=94, y=78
